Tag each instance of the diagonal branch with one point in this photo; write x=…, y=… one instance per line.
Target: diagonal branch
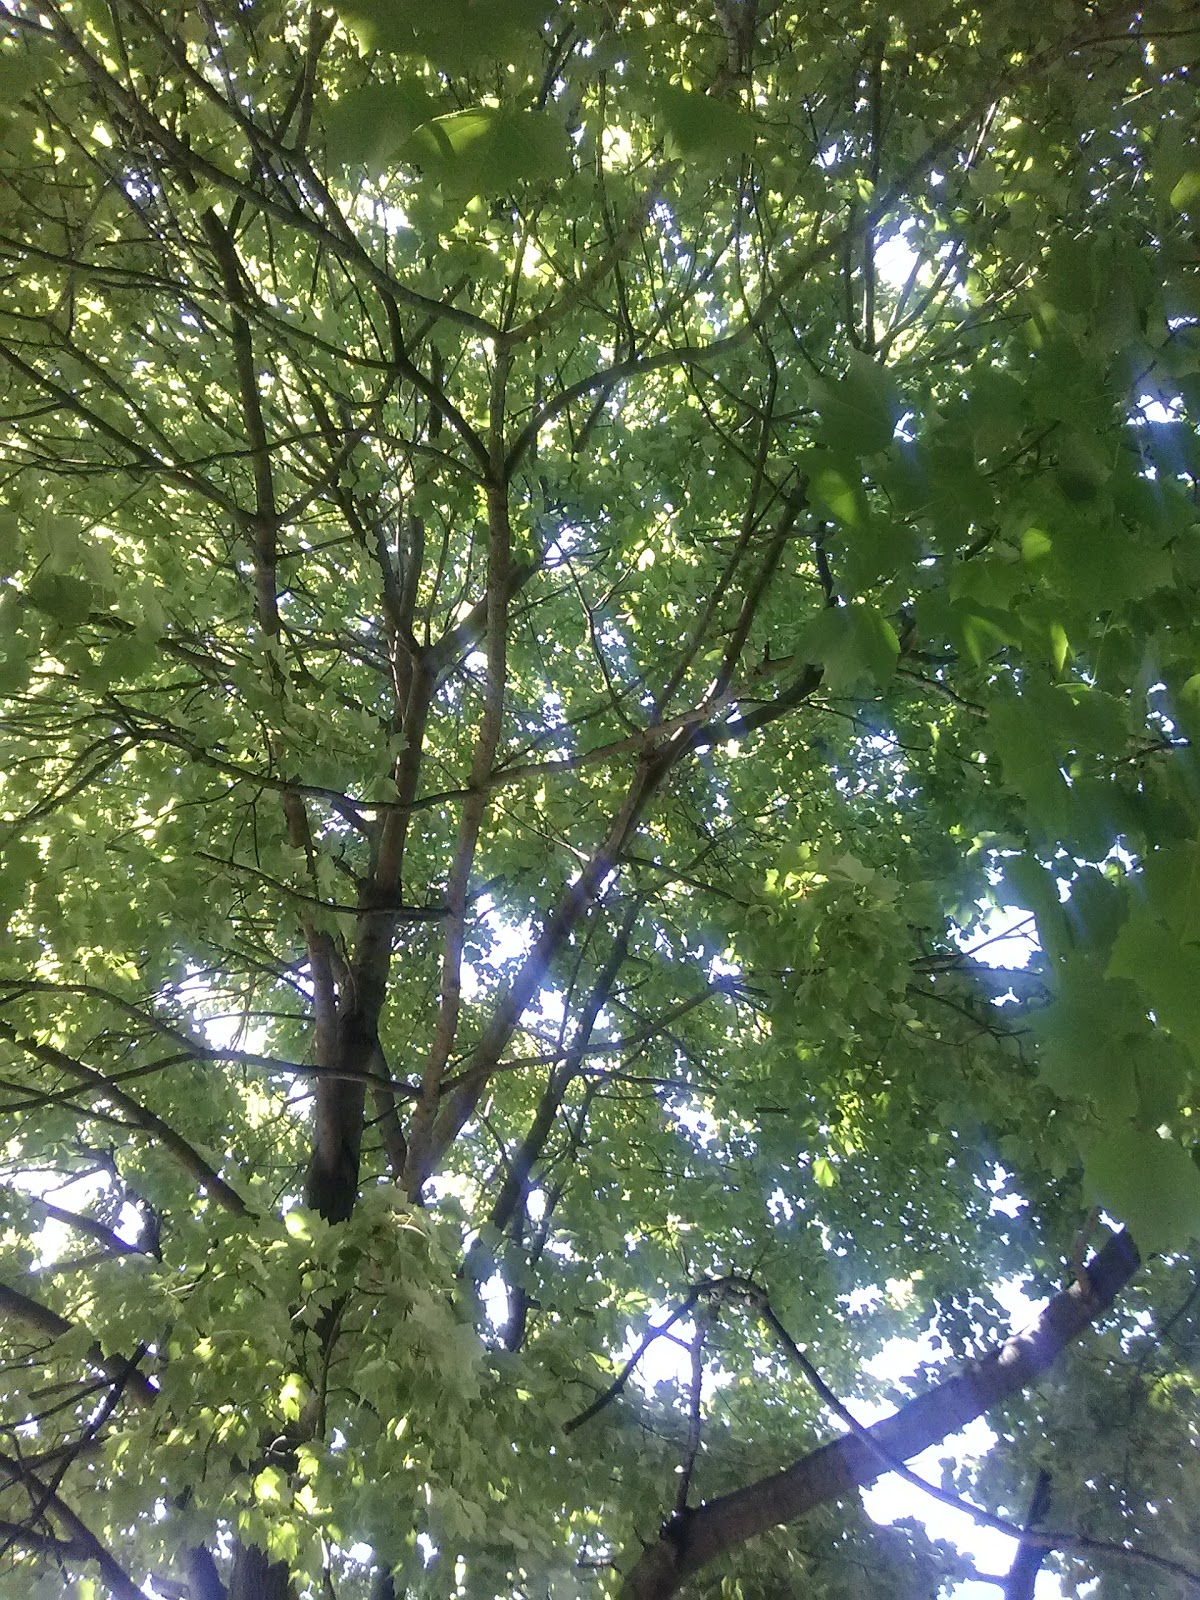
x=79, y=1536
x=514, y=1191
x=186, y=1154
x=845, y=1465
x=38, y=1318
x=457, y=1107
x=1034, y=1543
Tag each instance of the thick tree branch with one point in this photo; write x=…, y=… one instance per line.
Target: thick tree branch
x=845, y=1465
x=186, y=1154
x=40, y=1319
x=1027, y=1563
x=1034, y=1544
x=487, y=743
x=79, y=1536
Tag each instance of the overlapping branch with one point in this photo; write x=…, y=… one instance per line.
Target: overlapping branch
x=719, y=1526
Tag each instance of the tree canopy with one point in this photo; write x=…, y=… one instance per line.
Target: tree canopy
x=568, y=572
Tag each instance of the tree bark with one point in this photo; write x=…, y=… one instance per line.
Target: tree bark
x=837, y=1469
x=1027, y=1563
x=255, y=1577
x=135, y=1385
x=204, y=1581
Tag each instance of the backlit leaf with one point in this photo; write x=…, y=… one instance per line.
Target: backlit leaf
x=1150, y=1183
x=859, y=411
x=701, y=125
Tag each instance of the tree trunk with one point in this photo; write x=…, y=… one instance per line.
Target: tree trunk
x=256, y=1578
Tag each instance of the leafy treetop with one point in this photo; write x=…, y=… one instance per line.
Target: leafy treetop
x=533, y=654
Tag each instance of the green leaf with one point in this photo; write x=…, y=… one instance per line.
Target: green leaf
x=996, y=408
x=1171, y=880
x=1166, y=969
x=850, y=643
x=1162, y=1068
x=15, y=669
x=1097, y=907
x=858, y=412
x=960, y=496
x=368, y=127
x=1152, y=1184
x=1099, y=562
x=1060, y=646
x=977, y=631
x=989, y=582
x=24, y=65
x=19, y=867
x=1025, y=732
x=455, y=35
x=835, y=486
x=128, y=656
x=1066, y=279
x=824, y=1173
x=10, y=544
x=490, y=150
x=698, y=125
x=62, y=597
x=1087, y=1035
x=1082, y=467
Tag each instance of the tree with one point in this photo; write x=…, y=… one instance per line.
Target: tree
x=561, y=564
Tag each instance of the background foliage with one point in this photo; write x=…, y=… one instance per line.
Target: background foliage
x=560, y=563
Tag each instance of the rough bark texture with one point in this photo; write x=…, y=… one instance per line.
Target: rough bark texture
x=257, y=1578
x=839, y=1468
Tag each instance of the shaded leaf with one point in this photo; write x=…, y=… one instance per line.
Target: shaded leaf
x=369, y=126
x=455, y=35
x=490, y=150
x=1152, y=1184
x=1087, y=1035
x=10, y=544
x=858, y=412
x=850, y=643
x=1166, y=969
x=64, y=598
x=701, y=125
